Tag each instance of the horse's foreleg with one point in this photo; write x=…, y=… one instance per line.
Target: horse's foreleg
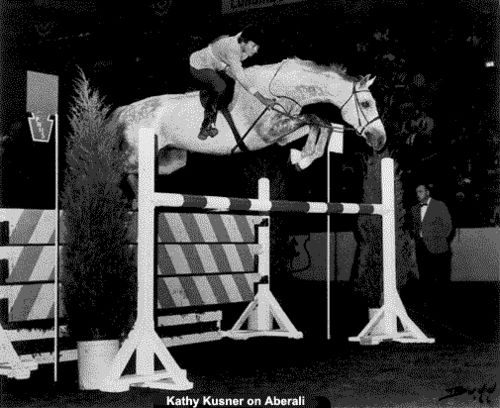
x=285, y=130
x=295, y=135
x=318, y=137
x=319, y=149
x=294, y=128
x=310, y=144
x=300, y=157
x=313, y=120
x=281, y=129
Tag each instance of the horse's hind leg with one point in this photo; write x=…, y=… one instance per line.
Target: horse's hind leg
x=171, y=159
x=133, y=182
x=129, y=186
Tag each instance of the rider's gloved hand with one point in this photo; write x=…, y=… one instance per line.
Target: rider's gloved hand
x=265, y=101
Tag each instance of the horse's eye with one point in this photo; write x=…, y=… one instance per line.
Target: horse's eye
x=365, y=104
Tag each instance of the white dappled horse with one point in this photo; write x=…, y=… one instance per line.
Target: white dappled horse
x=294, y=83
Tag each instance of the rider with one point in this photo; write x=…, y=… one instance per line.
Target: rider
x=209, y=66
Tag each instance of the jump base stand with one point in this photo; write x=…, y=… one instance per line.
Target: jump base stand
x=260, y=315
x=147, y=345
x=383, y=326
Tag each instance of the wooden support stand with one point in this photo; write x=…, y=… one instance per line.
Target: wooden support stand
x=261, y=314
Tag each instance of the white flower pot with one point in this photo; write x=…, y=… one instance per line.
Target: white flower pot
x=94, y=360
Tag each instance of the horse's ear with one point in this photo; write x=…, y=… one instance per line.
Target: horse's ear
x=366, y=81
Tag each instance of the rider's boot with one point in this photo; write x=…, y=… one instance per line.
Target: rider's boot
x=208, y=128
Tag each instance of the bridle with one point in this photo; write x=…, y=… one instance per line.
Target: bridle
x=359, y=130
x=359, y=111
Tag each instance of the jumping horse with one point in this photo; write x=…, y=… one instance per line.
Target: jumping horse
x=293, y=83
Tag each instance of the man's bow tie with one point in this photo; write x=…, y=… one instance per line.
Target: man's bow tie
x=423, y=205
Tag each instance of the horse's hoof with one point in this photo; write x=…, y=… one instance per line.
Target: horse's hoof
x=203, y=136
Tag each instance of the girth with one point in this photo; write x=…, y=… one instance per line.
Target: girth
x=239, y=140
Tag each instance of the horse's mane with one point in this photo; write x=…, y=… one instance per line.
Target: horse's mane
x=311, y=65
x=333, y=67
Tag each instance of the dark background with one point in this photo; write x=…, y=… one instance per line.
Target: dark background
x=437, y=97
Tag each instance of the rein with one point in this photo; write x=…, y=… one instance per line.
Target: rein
x=281, y=96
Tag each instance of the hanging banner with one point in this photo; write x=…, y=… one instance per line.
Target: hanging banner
x=41, y=104
x=233, y=6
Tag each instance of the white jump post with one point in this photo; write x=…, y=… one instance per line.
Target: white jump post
x=383, y=325
x=143, y=339
x=264, y=310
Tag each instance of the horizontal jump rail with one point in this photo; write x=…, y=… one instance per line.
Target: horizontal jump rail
x=215, y=203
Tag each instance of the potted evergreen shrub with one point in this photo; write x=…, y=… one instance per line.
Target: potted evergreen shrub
x=98, y=270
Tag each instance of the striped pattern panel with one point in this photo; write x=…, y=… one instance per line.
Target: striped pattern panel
x=214, y=253
x=36, y=264
x=29, y=227
x=184, y=291
x=206, y=259
x=194, y=228
x=191, y=228
x=27, y=282
x=175, y=259
x=36, y=227
x=27, y=264
x=27, y=302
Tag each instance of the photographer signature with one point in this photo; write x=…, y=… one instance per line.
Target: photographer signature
x=482, y=394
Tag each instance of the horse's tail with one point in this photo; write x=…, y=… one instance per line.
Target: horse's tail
x=116, y=127
x=113, y=120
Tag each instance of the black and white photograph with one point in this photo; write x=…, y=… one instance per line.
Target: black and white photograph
x=250, y=203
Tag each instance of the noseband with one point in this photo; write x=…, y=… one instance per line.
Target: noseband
x=359, y=111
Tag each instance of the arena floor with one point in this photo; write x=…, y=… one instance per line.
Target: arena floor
x=459, y=370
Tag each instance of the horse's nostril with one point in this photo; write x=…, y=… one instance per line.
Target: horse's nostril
x=370, y=139
x=376, y=141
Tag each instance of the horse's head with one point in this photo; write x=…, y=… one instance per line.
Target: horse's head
x=360, y=111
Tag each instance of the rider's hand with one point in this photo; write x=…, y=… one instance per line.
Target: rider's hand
x=269, y=102
x=265, y=101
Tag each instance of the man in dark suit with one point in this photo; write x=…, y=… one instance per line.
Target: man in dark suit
x=432, y=228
